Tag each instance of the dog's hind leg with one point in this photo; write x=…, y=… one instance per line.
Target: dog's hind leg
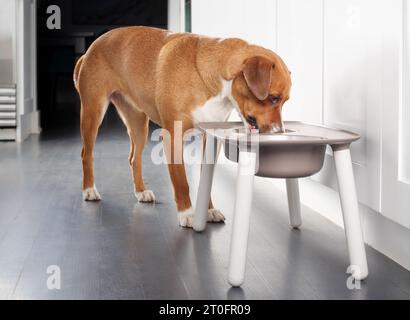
x=137, y=127
x=92, y=114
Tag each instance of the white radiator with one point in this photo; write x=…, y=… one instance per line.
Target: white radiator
x=8, y=112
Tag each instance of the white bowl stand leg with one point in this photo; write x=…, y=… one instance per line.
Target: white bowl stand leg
x=242, y=212
x=205, y=182
x=292, y=189
x=350, y=210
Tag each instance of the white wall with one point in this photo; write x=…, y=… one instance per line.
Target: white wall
x=349, y=69
x=7, y=33
x=175, y=15
x=300, y=38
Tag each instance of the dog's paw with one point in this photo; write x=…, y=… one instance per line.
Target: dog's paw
x=145, y=196
x=91, y=194
x=215, y=215
x=186, y=218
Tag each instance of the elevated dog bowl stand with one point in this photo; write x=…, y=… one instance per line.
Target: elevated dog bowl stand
x=297, y=153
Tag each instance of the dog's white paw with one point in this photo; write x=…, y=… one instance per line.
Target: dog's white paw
x=145, y=196
x=186, y=218
x=91, y=194
x=215, y=215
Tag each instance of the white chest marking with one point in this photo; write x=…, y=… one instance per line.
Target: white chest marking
x=217, y=108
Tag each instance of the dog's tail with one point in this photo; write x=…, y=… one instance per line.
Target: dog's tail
x=77, y=71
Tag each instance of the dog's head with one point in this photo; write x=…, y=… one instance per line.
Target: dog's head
x=261, y=89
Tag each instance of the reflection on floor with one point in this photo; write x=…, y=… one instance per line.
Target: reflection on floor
x=121, y=249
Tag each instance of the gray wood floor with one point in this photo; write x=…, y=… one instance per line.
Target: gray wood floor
x=120, y=249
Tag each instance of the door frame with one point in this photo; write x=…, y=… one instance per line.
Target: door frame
x=28, y=120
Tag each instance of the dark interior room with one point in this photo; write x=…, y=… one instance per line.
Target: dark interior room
x=58, y=50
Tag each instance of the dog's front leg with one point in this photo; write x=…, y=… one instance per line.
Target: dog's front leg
x=181, y=193
x=174, y=153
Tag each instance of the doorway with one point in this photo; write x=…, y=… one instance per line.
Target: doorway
x=58, y=50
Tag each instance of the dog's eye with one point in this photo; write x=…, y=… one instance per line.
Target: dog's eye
x=274, y=99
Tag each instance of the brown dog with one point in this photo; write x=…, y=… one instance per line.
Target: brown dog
x=153, y=74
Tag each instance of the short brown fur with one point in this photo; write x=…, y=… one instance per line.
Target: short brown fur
x=152, y=74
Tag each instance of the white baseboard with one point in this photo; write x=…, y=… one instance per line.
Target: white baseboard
x=28, y=124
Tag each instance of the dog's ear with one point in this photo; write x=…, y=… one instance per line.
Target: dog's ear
x=258, y=75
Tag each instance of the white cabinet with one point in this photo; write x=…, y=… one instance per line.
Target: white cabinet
x=345, y=58
x=353, y=82
x=395, y=188
x=347, y=70
x=334, y=50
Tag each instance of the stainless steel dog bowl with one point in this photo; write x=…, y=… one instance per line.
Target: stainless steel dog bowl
x=299, y=152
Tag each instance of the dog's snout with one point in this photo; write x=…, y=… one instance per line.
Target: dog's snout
x=252, y=122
